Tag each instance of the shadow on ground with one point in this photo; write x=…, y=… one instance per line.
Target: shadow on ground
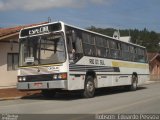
x=77, y=95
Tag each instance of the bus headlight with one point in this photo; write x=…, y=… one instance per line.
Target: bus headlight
x=55, y=77
x=61, y=76
x=24, y=78
x=21, y=79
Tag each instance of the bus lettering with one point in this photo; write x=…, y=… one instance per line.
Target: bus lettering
x=91, y=61
x=102, y=62
x=39, y=30
x=96, y=62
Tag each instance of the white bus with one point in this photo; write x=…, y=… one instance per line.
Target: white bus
x=57, y=56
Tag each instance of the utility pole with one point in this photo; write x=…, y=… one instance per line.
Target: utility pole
x=49, y=19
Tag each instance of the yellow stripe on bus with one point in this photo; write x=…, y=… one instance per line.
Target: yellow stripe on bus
x=129, y=65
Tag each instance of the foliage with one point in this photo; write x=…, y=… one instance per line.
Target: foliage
x=149, y=39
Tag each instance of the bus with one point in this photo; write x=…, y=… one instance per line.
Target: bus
x=57, y=57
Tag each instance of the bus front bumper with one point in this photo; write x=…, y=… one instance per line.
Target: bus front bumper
x=59, y=84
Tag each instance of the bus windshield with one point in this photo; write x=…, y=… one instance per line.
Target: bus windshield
x=44, y=49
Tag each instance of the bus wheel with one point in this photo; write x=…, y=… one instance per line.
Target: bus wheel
x=89, y=88
x=48, y=93
x=133, y=87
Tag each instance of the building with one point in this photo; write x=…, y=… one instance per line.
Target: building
x=9, y=55
x=154, y=65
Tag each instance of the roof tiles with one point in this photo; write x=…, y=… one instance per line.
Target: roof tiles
x=12, y=30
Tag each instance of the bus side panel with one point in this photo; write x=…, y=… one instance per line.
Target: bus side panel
x=76, y=81
x=130, y=68
x=143, y=79
x=120, y=80
x=104, y=81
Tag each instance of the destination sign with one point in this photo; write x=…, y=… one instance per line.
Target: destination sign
x=41, y=30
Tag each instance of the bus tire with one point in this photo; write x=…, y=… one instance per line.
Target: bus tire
x=89, y=87
x=48, y=93
x=133, y=86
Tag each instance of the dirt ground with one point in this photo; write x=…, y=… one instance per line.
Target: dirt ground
x=13, y=92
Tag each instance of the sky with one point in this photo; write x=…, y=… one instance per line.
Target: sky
x=118, y=14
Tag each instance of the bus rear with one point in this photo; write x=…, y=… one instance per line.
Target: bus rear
x=42, y=58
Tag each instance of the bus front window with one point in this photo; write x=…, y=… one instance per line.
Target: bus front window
x=46, y=49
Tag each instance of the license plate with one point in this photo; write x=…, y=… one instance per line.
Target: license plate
x=37, y=84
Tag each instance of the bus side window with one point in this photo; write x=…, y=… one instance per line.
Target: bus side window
x=77, y=48
x=75, y=45
x=141, y=55
x=78, y=45
x=115, y=50
x=70, y=49
x=132, y=54
x=69, y=44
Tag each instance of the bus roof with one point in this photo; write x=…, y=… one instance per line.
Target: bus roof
x=63, y=23
x=102, y=35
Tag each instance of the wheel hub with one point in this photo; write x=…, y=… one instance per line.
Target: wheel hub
x=90, y=86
